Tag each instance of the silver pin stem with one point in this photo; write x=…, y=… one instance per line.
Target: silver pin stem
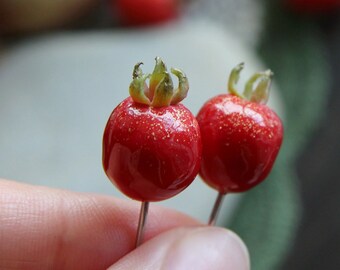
x=216, y=209
x=141, y=222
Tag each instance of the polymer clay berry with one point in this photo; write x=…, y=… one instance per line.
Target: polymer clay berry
x=241, y=137
x=152, y=143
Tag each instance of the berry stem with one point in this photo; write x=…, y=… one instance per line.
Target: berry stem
x=216, y=209
x=141, y=222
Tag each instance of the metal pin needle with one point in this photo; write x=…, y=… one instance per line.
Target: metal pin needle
x=216, y=209
x=141, y=222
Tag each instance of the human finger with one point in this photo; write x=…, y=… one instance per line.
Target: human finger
x=200, y=248
x=44, y=228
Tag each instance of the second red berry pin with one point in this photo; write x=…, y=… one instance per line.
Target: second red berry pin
x=241, y=137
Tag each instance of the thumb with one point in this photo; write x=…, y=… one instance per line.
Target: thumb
x=189, y=248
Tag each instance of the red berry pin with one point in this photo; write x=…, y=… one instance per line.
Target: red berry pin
x=241, y=137
x=152, y=143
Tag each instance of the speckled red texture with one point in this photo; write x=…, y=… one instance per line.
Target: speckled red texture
x=151, y=154
x=241, y=140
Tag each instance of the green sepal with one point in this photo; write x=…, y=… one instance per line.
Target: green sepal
x=233, y=79
x=183, y=86
x=256, y=88
x=138, y=86
x=261, y=92
x=156, y=77
x=163, y=91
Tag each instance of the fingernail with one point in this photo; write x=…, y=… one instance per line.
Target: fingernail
x=208, y=248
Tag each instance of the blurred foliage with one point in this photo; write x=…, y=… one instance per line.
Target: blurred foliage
x=268, y=217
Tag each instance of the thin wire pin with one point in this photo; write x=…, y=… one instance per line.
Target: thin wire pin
x=216, y=209
x=141, y=222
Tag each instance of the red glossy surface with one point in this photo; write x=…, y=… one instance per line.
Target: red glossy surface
x=240, y=141
x=151, y=154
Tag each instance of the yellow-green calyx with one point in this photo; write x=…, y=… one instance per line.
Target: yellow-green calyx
x=256, y=88
x=160, y=91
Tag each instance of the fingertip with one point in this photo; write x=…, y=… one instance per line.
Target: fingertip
x=45, y=226
x=208, y=248
x=190, y=248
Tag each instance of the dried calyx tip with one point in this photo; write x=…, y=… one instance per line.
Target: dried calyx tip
x=269, y=73
x=137, y=71
x=240, y=65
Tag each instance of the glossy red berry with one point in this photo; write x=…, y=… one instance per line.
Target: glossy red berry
x=241, y=136
x=152, y=143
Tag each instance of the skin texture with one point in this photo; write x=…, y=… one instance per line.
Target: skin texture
x=241, y=140
x=149, y=153
x=44, y=228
